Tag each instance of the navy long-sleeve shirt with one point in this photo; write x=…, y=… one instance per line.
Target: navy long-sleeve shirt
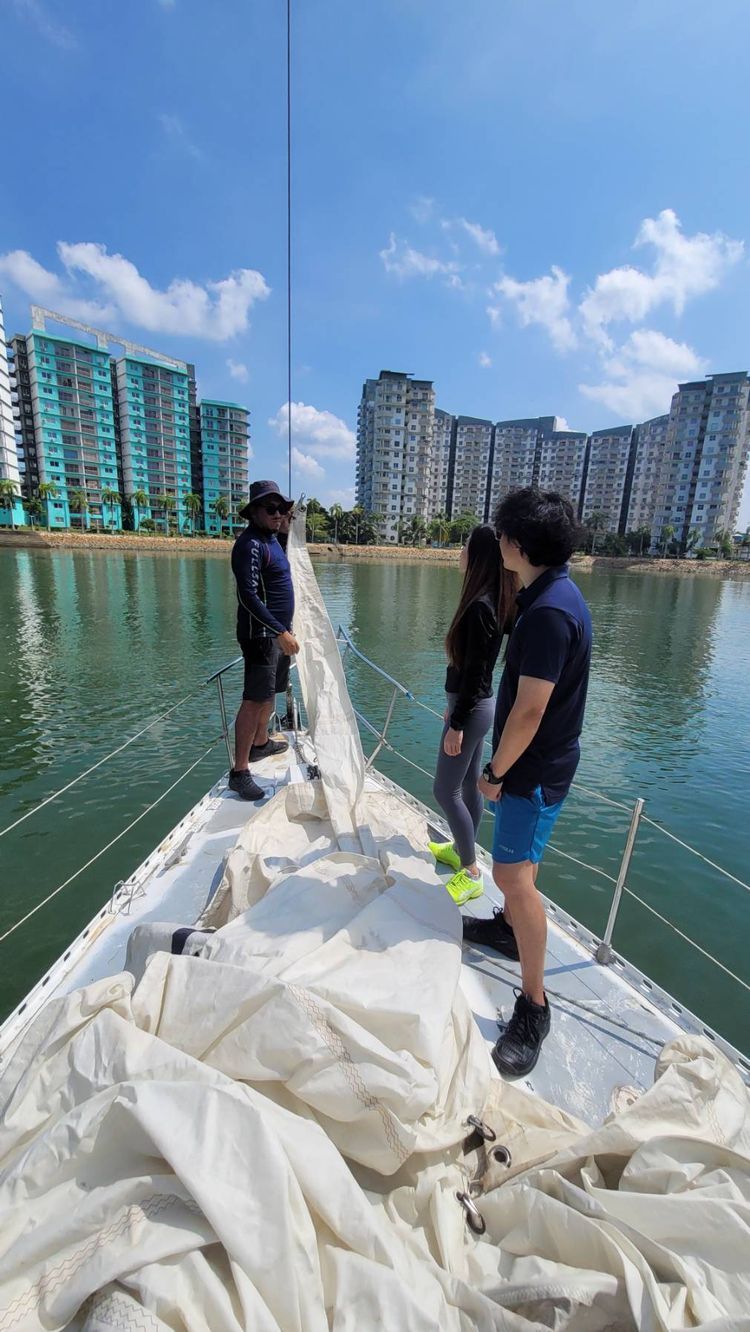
x=479, y=640
x=265, y=595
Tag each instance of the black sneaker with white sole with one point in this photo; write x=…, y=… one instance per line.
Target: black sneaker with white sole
x=245, y=785
x=517, y=1050
x=494, y=932
x=268, y=750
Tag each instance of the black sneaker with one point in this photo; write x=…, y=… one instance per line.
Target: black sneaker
x=245, y=785
x=268, y=750
x=517, y=1050
x=493, y=933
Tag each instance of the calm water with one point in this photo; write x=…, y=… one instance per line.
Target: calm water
x=96, y=644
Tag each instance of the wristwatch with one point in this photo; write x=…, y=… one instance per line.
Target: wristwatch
x=490, y=777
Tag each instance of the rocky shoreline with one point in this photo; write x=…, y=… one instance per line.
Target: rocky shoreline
x=154, y=543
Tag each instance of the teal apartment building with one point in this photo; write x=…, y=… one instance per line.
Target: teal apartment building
x=67, y=442
x=154, y=429
x=224, y=438
x=96, y=437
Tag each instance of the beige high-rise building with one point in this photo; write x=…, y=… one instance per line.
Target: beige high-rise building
x=650, y=443
x=394, y=448
x=561, y=464
x=704, y=461
x=514, y=460
x=471, y=463
x=437, y=478
x=610, y=454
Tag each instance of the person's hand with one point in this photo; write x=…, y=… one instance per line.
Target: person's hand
x=489, y=790
x=453, y=742
x=288, y=643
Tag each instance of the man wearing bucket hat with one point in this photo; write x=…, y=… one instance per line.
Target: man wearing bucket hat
x=265, y=609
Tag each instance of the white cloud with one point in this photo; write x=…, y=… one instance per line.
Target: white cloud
x=178, y=136
x=238, y=370
x=39, y=284
x=320, y=432
x=642, y=375
x=561, y=423
x=495, y=315
x=343, y=496
x=485, y=361
x=483, y=237
x=422, y=209
x=684, y=266
x=543, y=301
x=306, y=464
x=216, y=310
x=405, y=262
x=45, y=25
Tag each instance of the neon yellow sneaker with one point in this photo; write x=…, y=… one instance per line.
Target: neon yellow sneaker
x=463, y=887
x=445, y=853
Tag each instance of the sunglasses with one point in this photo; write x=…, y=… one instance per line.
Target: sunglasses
x=273, y=509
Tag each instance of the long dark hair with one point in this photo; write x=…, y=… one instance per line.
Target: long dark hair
x=486, y=576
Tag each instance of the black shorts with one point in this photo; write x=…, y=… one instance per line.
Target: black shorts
x=266, y=669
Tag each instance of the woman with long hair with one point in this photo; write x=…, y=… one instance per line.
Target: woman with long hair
x=484, y=613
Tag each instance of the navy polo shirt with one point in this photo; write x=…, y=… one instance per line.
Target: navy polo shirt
x=551, y=640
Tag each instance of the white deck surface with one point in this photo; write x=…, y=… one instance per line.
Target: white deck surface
x=608, y=1023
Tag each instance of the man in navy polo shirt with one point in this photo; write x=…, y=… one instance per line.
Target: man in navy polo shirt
x=538, y=722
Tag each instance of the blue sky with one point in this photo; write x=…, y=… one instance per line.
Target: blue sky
x=541, y=206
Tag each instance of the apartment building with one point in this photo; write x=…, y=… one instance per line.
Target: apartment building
x=610, y=456
x=704, y=460
x=471, y=466
x=66, y=428
x=11, y=509
x=394, y=448
x=224, y=436
x=561, y=463
x=648, y=461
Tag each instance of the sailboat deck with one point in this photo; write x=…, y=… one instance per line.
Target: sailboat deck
x=608, y=1022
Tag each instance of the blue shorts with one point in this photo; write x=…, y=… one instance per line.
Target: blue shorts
x=523, y=827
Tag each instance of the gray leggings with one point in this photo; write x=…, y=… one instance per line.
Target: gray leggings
x=455, y=786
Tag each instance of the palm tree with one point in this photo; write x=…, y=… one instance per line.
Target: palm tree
x=667, y=536
x=193, y=505
x=358, y=516
x=168, y=504
x=439, y=528
x=78, y=503
x=34, y=508
x=336, y=513
x=220, y=507
x=317, y=526
x=8, y=492
x=693, y=538
x=139, y=500
x=596, y=523
x=462, y=525
x=111, y=498
x=47, y=491
x=723, y=539
x=376, y=525
x=416, y=529
x=745, y=542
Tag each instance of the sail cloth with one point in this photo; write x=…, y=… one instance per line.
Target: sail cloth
x=330, y=714
x=271, y=1135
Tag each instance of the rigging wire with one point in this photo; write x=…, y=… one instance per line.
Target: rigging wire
x=289, y=236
